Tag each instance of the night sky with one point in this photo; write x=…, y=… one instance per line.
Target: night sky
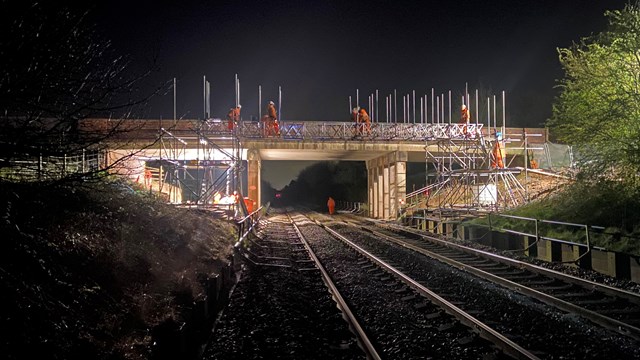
x=320, y=52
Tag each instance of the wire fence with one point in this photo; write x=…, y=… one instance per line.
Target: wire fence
x=40, y=167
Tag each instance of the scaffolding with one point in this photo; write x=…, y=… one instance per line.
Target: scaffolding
x=206, y=180
x=464, y=179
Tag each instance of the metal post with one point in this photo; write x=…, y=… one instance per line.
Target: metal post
x=495, y=125
x=504, y=117
x=477, y=108
x=280, y=102
x=404, y=110
x=414, y=106
x=377, y=102
x=408, y=99
x=489, y=115
x=442, y=95
x=259, y=102
x=237, y=86
x=426, y=108
x=450, y=107
x=432, y=105
x=395, y=104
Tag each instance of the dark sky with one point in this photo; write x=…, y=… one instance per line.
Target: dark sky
x=320, y=52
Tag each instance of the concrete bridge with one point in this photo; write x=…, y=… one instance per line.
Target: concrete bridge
x=384, y=147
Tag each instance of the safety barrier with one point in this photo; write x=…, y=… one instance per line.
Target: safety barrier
x=534, y=243
x=312, y=130
x=352, y=207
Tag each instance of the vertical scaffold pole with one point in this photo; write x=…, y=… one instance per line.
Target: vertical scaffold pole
x=259, y=102
x=450, y=107
x=395, y=105
x=280, y=102
x=504, y=117
x=377, y=106
x=438, y=113
x=495, y=125
x=432, y=105
x=414, y=106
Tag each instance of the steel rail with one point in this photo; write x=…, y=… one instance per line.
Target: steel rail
x=503, y=343
x=612, y=324
x=363, y=339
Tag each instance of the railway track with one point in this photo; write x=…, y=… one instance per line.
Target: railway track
x=545, y=332
x=613, y=308
x=280, y=308
x=307, y=281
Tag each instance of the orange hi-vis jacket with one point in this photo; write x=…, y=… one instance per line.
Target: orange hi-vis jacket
x=497, y=155
x=465, y=116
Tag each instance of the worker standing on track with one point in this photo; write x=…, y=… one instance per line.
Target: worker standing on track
x=331, y=204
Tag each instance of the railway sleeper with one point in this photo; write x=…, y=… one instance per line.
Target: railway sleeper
x=632, y=315
x=525, y=276
x=575, y=295
x=494, y=268
x=539, y=282
x=478, y=263
x=509, y=274
x=560, y=287
x=603, y=301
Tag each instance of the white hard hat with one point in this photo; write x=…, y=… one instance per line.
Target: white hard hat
x=271, y=102
x=464, y=106
x=239, y=106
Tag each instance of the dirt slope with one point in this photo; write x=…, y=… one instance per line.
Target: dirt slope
x=87, y=271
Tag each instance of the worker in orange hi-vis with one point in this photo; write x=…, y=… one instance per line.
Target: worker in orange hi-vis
x=233, y=117
x=331, y=204
x=355, y=119
x=465, y=118
x=497, y=154
x=272, y=123
x=365, y=120
x=147, y=178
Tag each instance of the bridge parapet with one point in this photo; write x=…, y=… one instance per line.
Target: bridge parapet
x=312, y=130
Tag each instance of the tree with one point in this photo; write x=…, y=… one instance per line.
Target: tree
x=598, y=109
x=55, y=72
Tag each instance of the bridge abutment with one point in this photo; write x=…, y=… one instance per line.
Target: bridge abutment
x=254, y=163
x=387, y=184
